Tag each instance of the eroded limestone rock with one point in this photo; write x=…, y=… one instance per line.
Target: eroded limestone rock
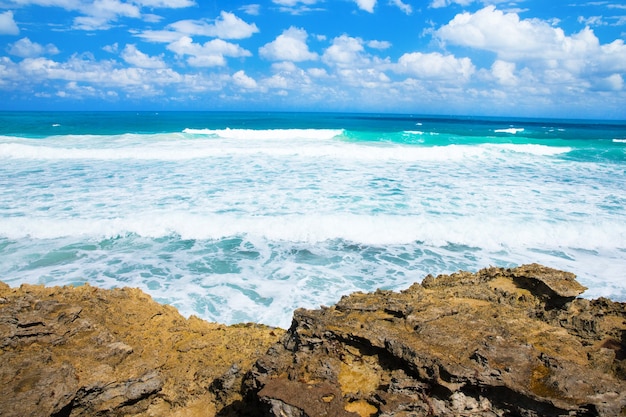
x=496, y=343
x=87, y=352
x=501, y=342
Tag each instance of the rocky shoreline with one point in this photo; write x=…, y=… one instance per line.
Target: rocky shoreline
x=500, y=342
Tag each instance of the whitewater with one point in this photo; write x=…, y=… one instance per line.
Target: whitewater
x=238, y=217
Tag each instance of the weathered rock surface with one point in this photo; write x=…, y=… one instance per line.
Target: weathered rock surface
x=87, y=352
x=495, y=343
x=501, y=342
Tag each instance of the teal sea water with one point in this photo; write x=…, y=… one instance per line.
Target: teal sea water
x=246, y=216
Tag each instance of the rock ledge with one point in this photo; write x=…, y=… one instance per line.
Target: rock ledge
x=500, y=342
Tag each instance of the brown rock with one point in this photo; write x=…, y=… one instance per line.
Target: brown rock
x=85, y=351
x=495, y=343
x=501, y=342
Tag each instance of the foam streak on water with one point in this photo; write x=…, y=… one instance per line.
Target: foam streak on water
x=247, y=224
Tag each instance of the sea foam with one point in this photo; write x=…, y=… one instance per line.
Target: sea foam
x=248, y=224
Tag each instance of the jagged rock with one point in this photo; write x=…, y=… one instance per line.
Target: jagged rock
x=501, y=342
x=87, y=352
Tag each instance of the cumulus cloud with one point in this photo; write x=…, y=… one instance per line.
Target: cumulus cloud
x=288, y=46
x=504, y=72
x=367, y=5
x=379, y=44
x=210, y=54
x=100, y=13
x=503, y=33
x=84, y=69
x=135, y=57
x=533, y=42
x=435, y=66
x=242, y=80
x=7, y=24
x=25, y=48
x=346, y=51
x=227, y=26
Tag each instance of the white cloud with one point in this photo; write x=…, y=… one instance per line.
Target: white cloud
x=613, y=82
x=367, y=5
x=135, y=57
x=288, y=46
x=291, y=3
x=504, y=72
x=435, y=66
x=251, y=9
x=296, y=7
x=113, y=48
x=533, y=42
x=317, y=72
x=227, y=26
x=284, y=66
x=84, y=69
x=211, y=54
x=444, y=3
x=160, y=36
x=406, y=8
x=435, y=4
x=7, y=24
x=368, y=78
x=100, y=14
x=379, y=44
x=25, y=48
x=346, y=51
x=166, y=4
x=504, y=33
x=592, y=21
x=242, y=80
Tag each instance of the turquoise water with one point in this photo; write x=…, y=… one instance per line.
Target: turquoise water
x=246, y=216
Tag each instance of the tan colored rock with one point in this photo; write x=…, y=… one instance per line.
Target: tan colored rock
x=85, y=351
x=496, y=343
x=501, y=342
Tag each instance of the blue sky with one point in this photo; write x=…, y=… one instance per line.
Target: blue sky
x=487, y=57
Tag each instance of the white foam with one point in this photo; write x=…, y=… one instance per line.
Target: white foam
x=268, y=133
x=510, y=130
x=186, y=150
x=489, y=234
x=619, y=140
x=322, y=216
x=534, y=149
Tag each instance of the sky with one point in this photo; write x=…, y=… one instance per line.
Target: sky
x=528, y=58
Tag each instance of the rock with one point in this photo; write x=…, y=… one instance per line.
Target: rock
x=500, y=342
x=496, y=343
x=85, y=351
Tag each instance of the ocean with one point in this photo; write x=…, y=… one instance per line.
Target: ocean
x=246, y=216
